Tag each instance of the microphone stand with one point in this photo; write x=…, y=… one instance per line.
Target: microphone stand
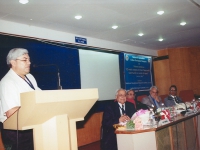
x=59, y=85
x=186, y=109
x=58, y=75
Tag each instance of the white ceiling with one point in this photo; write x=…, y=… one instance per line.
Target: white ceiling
x=132, y=17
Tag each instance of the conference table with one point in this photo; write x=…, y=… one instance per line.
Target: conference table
x=182, y=133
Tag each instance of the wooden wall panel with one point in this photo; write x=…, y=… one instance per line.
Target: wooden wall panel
x=185, y=60
x=162, y=52
x=198, y=59
x=193, y=62
x=90, y=132
x=184, y=64
x=175, y=59
x=162, y=76
x=163, y=86
x=195, y=79
x=186, y=80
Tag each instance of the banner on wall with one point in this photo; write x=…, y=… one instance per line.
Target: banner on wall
x=137, y=69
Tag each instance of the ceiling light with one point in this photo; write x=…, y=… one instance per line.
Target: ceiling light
x=160, y=12
x=23, y=1
x=183, y=23
x=140, y=34
x=78, y=17
x=160, y=39
x=114, y=27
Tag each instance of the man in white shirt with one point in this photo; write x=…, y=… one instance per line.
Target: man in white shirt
x=16, y=81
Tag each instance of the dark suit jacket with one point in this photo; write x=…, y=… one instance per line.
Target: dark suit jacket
x=111, y=116
x=138, y=104
x=169, y=101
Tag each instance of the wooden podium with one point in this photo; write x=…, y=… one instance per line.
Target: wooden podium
x=52, y=114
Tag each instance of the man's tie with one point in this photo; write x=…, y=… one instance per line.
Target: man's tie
x=176, y=100
x=154, y=101
x=123, y=111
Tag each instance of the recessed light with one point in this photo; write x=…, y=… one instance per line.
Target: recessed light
x=23, y=1
x=160, y=39
x=140, y=34
x=78, y=17
x=114, y=27
x=31, y=19
x=160, y=12
x=183, y=23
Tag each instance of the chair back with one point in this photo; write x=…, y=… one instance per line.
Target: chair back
x=140, y=97
x=163, y=97
x=186, y=95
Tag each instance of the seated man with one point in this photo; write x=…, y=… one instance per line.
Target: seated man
x=153, y=100
x=130, y=97
x=172, y=99
x=118, y=111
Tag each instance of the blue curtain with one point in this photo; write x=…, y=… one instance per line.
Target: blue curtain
x=64, y=58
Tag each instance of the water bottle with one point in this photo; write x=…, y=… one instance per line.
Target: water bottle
x=162, y=107
x=194, y=106
x=151, y=118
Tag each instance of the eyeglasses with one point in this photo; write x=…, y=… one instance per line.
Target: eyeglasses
x=24, y=60
x=131, y=94
x=121, y=95
x=154, y=92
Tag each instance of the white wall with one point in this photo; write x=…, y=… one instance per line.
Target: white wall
x=38, y=32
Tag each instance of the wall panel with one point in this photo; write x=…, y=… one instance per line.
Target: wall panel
x=162, y=75
x=175, y=59
x=162, y=52
x=185, y=60
x=90, y=132
x=184, y=64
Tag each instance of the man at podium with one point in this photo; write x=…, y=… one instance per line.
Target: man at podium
x=16, y=81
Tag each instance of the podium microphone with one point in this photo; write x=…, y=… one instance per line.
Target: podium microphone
x=58, y=74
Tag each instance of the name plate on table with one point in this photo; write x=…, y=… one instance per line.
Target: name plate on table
x=164, y=122
x=189, y=113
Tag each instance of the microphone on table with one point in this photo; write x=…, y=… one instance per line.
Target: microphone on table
x=58, y=72
x=186, y=108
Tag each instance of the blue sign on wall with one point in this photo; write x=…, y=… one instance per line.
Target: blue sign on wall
x=80, y=40
x=137, y=71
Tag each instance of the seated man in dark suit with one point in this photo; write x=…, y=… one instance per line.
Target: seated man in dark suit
x=130, y=97
x=153, y=100
x=172, y=99
x=118, y=111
